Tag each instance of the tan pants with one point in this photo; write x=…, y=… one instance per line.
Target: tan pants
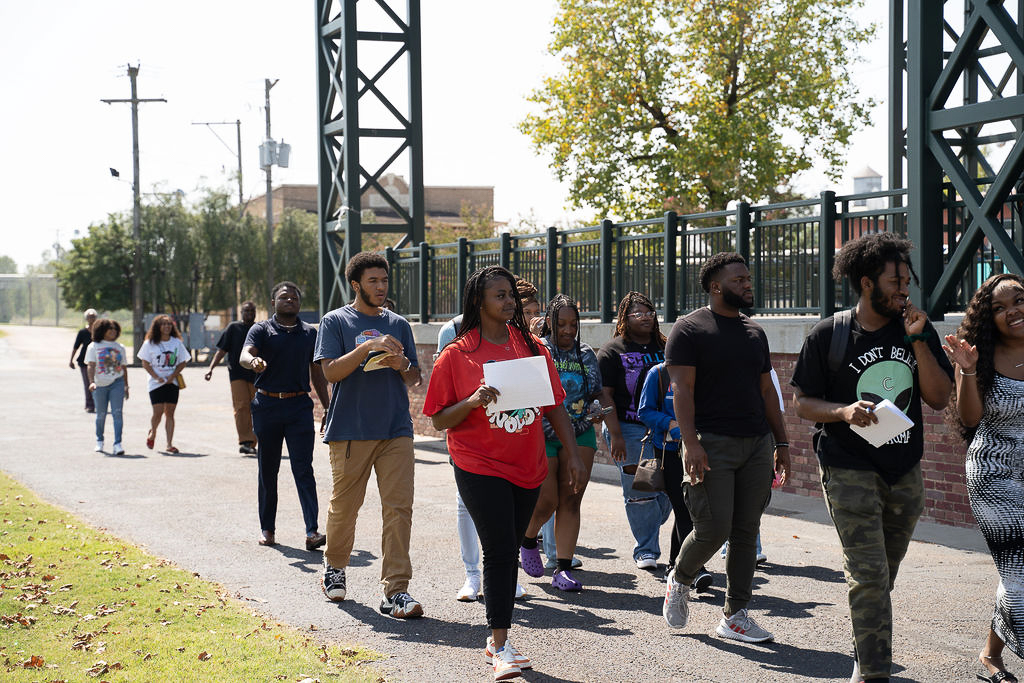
x=393, y=462
x=242, y=394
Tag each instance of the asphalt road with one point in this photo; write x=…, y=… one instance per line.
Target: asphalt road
x=198, y=509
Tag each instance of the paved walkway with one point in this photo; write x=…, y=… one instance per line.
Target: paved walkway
x=199, y=509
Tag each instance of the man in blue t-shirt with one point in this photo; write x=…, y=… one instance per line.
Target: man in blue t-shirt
x=369, y=354
x=280, y=352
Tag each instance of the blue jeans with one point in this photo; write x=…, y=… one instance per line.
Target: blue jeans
x=645, y=511
x=113, y=394
x=275, y=421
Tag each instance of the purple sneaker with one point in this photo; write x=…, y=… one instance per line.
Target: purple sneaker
x=530, y=559
x=563, y=581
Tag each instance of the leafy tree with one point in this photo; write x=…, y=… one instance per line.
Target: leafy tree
x=688, y=104
x=296, y=240
x=96, y=271
x=8, y=265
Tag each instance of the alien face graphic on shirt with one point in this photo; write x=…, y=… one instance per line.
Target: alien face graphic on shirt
x=888, y=379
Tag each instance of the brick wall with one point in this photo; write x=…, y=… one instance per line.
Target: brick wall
x=943, y=463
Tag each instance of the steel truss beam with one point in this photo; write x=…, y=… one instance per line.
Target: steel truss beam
x=344, y=92
x=935, y=129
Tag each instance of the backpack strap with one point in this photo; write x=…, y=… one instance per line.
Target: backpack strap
x=841, y=323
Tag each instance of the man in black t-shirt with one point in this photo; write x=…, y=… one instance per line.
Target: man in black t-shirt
x=82, y=341
x=874, y=495
x=730, y=424
x=243, y=387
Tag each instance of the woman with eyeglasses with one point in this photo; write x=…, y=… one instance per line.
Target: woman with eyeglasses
x=638, y=345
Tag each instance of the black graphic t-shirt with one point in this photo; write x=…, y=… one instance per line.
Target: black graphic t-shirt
x=877, y=365
x=624, y=365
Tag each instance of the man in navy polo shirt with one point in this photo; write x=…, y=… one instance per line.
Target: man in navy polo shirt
x=369, y=353
x=280, y=352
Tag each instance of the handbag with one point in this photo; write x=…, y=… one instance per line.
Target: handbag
x=181, y=381
x=650, y=472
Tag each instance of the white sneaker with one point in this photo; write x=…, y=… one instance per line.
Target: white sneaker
x=118, y=449
x=504, y=663
x=521, y=661
x=741, y=626
x=520, y=591
x=676, y=609
x=99, y=447
x=470, y=590
x=647, y=562
x=761, y=558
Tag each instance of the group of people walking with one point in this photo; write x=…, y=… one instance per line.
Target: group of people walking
x=703, y=400
x=103, y=362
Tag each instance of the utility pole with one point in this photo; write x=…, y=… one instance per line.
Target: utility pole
x=237, y=123
x=133, y=74
x=270, y=202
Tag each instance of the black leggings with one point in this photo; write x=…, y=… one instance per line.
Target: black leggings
x=673, y=465
x=501, y=512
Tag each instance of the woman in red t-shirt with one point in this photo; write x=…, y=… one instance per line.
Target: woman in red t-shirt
x=498, y=456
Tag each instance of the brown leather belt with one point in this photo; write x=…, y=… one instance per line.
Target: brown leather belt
x=282, y=394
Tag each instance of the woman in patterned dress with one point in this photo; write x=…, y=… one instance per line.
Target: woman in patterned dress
x=989, y=403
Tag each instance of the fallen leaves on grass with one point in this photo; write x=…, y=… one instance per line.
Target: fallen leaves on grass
x=33, y=662
x=204, y=655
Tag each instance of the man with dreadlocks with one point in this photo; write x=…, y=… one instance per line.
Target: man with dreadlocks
x=889, y=350
x=728, y=413
x=637, y=346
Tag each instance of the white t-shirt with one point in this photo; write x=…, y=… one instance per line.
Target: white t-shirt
x=163, y=357
x=109, y=358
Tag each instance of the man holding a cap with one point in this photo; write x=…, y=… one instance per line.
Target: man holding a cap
x=369, y=353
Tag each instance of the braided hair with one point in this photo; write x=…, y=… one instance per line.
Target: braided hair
x=979, y=329
x=624, y=306
x=473, y=299
x=551, y=327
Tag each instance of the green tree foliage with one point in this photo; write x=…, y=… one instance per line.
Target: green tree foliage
x=8, y=266
x=688, y=104
x=296, y=244
x=96, y=271
x=194, y=258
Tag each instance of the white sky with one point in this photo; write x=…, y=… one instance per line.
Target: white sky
x=209, y=59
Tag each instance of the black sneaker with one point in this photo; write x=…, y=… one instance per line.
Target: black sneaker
x=334, y=583
x=246, y=448
x=703, y=580
x=401, y=606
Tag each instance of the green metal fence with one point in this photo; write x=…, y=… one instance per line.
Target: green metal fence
x=789, y=247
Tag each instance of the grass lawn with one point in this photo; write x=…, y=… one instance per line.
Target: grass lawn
x=77, y=604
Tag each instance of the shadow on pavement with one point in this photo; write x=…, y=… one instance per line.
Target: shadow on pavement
x=782, y=659
x=596, y=553
x=183, y=454
x=361, y=558
x=306, y=561
x=807, y=571
x=126, y=456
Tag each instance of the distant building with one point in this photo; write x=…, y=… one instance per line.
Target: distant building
x=442, y=204
x=868, y=180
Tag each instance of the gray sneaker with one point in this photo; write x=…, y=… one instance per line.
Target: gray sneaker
x=401, y=606
x=676, y=609
x=741, y=626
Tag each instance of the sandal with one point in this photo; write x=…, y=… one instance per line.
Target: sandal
x=999, y=677
x=150, y=441
x=172, y=449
